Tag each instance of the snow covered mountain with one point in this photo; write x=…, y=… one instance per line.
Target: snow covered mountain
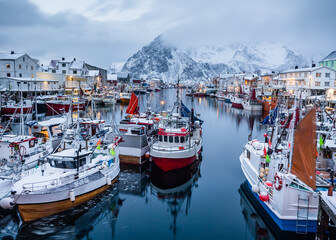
x=160, y=59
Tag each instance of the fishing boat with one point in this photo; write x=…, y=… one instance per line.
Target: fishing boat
x=281, y=176
x=252, y=104
x=98, y=99
x=69, y=179
x=125, y=97
x=61, y=104
x=12, y=107
x=109, y=99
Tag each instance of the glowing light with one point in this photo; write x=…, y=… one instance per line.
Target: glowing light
x=162, y=102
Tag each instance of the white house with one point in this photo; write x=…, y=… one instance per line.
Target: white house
x=18, y=65
x=27, y=84
x=67, y=67
x=314, y=80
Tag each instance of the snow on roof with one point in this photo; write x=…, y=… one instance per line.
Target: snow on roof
x=52, y=121
x=122, y=75
x=77, y=65
x=9, y=56
x=306, y=69
x=93, y=73
x=53, y=63
x=112, y=77
x=331, y=56
x=22, y=79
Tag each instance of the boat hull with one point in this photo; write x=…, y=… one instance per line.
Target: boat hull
x=282, y=224
x=167, y=163
x=14, y=110
x=253, y=107
x=31, y=212
x=56, y=108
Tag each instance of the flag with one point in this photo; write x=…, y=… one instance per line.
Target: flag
x=133, y=104
x=98, y=144
x=321, y=142
x=270, y=118
x=185, y=112
x=268, y=159
x=269, y=143
x=265, y=152
x=112, y=152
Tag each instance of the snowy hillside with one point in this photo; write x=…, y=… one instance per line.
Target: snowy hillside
x=159, y=59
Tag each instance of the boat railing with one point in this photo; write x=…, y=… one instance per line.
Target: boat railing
x=173, y=148
x=52, y=183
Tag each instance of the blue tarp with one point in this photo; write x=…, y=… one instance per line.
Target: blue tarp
x=270, y=118
x=185, y=112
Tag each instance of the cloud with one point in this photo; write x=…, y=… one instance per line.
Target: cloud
x=102, y=32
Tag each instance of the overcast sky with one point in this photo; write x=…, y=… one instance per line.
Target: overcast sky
x=105, y=31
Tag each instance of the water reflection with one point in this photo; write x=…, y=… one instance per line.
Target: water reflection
x=79, y=222
x=258, y=225
x=174, y=188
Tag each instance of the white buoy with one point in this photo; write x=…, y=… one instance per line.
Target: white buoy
x=255, y=188
x=72, y=195
x=7, y=203
x=108, y=180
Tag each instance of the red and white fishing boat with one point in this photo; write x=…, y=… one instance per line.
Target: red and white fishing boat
x=178, y=145
x=237, y=101
x=252, y=104
x=61, y=104
x=11, y=107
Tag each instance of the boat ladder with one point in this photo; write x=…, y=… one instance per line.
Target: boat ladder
x=302, y=215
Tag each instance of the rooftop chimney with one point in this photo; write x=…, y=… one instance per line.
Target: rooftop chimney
x=296, y=67
x=74, y=59
x=313, y=65
x=63, y=58
x=12, y=52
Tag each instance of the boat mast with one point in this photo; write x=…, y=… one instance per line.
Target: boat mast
x=177, y=93
x=292, y=138
x=21, y=114
x=36, y=103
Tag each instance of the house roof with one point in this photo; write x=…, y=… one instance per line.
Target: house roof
x=77, y=65
x=53, y=64
x=9, y=56
x=331, y=56
x=112, y=77
x=122, y=75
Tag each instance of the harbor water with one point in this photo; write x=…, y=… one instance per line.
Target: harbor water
x=202, y=201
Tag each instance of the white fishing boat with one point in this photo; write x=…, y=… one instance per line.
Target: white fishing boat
x=252, y=104
x=237, y=101
x=98, y=99
x=109, y=100
x=282, y=178
x=69, y=178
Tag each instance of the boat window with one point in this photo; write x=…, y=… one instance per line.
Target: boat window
x=94, y=129
x=31, y=143
x=165, y=139
x=248, y=154
x=160, y=138
x=182, y=139
x=171, y=139
x=177, y=139
x=187, y=138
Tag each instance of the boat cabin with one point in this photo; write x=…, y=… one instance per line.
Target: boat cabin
x=16, y=147
x=70, y=159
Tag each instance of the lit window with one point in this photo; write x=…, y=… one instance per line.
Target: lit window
x=305, y=74
x=318, y=75
x=32, y=76
x=317, y=84
x=20, y=66
x=7, y=65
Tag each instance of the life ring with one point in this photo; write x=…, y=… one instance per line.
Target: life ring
x=22, y=151
x=277, y=182
x=156, y=119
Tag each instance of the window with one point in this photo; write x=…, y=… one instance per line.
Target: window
x=327, y=75
x=285, y=75
x=7, y=65
x=53, y=71
x=291, y=75
x=8, y=74
x=305, y=74
x=282, y=75
x=300, y=74
x=20, y=66
x=182, y=139
x=332, y=63
x=326, y=84
x=160, y=138
x=24, y=59
x=171, y=139
x=32, y=76
x=317, y=84
x=31, y=143
x=318, y=74
x=74, y=71
x=63, y=65
x=177, y=139
x=296, y=75
x=165, y=139
x=31, y=68
x=20, y=75
x=63, y=71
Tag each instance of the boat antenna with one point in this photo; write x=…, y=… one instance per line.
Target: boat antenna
x=292, y=137
x=21, y=114
x=178, y=92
